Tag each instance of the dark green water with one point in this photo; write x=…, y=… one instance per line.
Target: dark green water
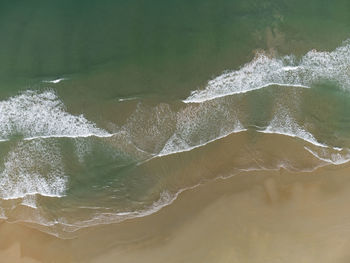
x=129, y=68
x=157, y=48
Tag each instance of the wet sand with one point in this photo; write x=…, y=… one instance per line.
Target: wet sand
x=262, y=216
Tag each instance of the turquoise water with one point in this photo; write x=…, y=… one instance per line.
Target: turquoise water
x=109, y=109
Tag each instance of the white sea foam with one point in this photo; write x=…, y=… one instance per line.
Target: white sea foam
x=331, y=155
x=127, y=99
x=166, y=198
x=2, y=213
x=55, y=81
x=283, y=124
x=42, y=115
x=201, y=124
x=265, y=71
x=149, y=127
x=176, y=144
x=30, y=201
x=30, y=168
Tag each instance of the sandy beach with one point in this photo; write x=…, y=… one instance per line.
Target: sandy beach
x=265, y=216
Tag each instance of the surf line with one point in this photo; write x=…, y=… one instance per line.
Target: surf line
x=196, y=96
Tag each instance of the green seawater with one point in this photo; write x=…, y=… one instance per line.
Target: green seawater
x=94, y=122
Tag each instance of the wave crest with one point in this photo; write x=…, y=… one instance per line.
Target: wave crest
x=265, y=71
x=34, y=114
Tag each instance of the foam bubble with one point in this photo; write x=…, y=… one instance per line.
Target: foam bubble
x=198, y=125
x=30, y=201
x=30, y=168
x=265, y=71
x=82, y=148
x=55, y=81
x=176, y=144
x=2, y=213
x=33, y=114
x=148, y=128
x=283, y=124
x=331, y=155
x=165, y=198
x=127, y=99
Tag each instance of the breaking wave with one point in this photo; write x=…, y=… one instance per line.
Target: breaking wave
x=31, y=168
x=265, y=71
x=33, y=114
x=283, y=124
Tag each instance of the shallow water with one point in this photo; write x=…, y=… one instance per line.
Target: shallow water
x=110, y=109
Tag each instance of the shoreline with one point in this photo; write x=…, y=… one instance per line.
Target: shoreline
x=244, y=218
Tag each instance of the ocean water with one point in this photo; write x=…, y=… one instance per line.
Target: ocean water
x=110, y=109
